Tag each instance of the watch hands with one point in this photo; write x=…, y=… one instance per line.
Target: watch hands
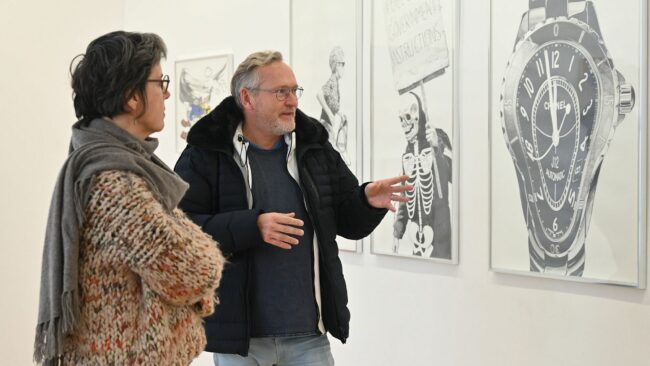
x=543, y=156
x=542, y=132
x=569, y=131
x=556, y=134
x=567, y=110
x=551, y=100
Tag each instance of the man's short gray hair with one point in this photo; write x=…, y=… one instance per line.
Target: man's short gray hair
x=246, y=75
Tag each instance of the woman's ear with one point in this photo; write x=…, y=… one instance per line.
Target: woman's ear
x=133, y=103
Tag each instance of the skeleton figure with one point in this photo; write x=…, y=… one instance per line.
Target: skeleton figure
x=426, y=217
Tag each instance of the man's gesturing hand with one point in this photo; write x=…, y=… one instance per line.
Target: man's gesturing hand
x=277, y=228
x=381, y=193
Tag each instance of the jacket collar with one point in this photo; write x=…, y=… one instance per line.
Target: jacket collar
x=217, y=129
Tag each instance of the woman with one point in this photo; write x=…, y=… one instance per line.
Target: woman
x=126, y=277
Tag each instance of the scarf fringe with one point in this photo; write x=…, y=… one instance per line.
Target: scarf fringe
x=48, y=343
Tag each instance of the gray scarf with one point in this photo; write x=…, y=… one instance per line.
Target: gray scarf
x=96, y=146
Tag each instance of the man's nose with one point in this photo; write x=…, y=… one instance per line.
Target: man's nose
x=292, y=100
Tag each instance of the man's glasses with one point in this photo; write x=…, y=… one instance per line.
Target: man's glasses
x=283, y=93
x=164, y=82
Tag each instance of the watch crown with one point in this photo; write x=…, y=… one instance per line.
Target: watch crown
x=625, y=98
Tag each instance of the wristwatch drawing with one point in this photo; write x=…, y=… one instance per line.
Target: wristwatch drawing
x=561, y=101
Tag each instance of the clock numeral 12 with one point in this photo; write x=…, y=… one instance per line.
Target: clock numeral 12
x=556, y=59
x=555, y=63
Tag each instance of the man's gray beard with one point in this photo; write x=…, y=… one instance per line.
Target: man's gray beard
x=279, y=127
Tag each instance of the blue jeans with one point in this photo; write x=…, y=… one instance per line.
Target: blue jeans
x=282, y=351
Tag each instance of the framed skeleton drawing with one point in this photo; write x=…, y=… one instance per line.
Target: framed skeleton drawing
x=201, y=84
x=413, y=124
x=568, y=139
x=326, y=58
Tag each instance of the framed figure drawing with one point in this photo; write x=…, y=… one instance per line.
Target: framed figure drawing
x=201, y=84
x=326, y=58
x=413, y=124
x=568, y=139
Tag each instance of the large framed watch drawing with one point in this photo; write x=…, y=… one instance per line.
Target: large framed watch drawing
x=326, y=58
x=413, y=124
x=568, y=139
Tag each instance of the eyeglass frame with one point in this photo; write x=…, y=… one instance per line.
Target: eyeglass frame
x=282, y=93
x=164, y=82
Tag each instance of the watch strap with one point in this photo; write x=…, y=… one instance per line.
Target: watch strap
x=540, y=10
x=540, y=262
x=557, y=8
x=571, y=264
x=533, y=4
x=556, y=264
x=576, y=264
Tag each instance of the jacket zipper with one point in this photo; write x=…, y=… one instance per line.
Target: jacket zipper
x=309, y=181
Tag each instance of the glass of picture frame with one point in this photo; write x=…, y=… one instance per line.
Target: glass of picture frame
x=326, y=58
x=414, y=124
x=568, y=139
x=201, y=84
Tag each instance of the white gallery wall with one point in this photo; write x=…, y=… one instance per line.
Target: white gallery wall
x=404, y=311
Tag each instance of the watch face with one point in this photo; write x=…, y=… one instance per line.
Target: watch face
x=554, y=100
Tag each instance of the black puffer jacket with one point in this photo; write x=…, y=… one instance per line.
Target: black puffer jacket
x=216, y=200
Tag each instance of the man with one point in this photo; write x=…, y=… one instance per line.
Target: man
x=267, y=185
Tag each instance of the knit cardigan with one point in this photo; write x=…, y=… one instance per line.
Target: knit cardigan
x=146, y=277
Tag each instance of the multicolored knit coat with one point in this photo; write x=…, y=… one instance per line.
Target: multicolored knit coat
x=146, y=278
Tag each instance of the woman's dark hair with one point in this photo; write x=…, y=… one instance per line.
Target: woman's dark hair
x=114, y=68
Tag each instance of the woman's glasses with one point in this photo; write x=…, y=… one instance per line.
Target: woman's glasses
x=164, y=82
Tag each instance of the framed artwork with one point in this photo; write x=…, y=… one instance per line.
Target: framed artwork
x=568, y=139
x=414, y=129
x=326, y=58
x=201, y=84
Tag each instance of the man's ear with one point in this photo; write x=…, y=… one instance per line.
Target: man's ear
x=246, y=98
